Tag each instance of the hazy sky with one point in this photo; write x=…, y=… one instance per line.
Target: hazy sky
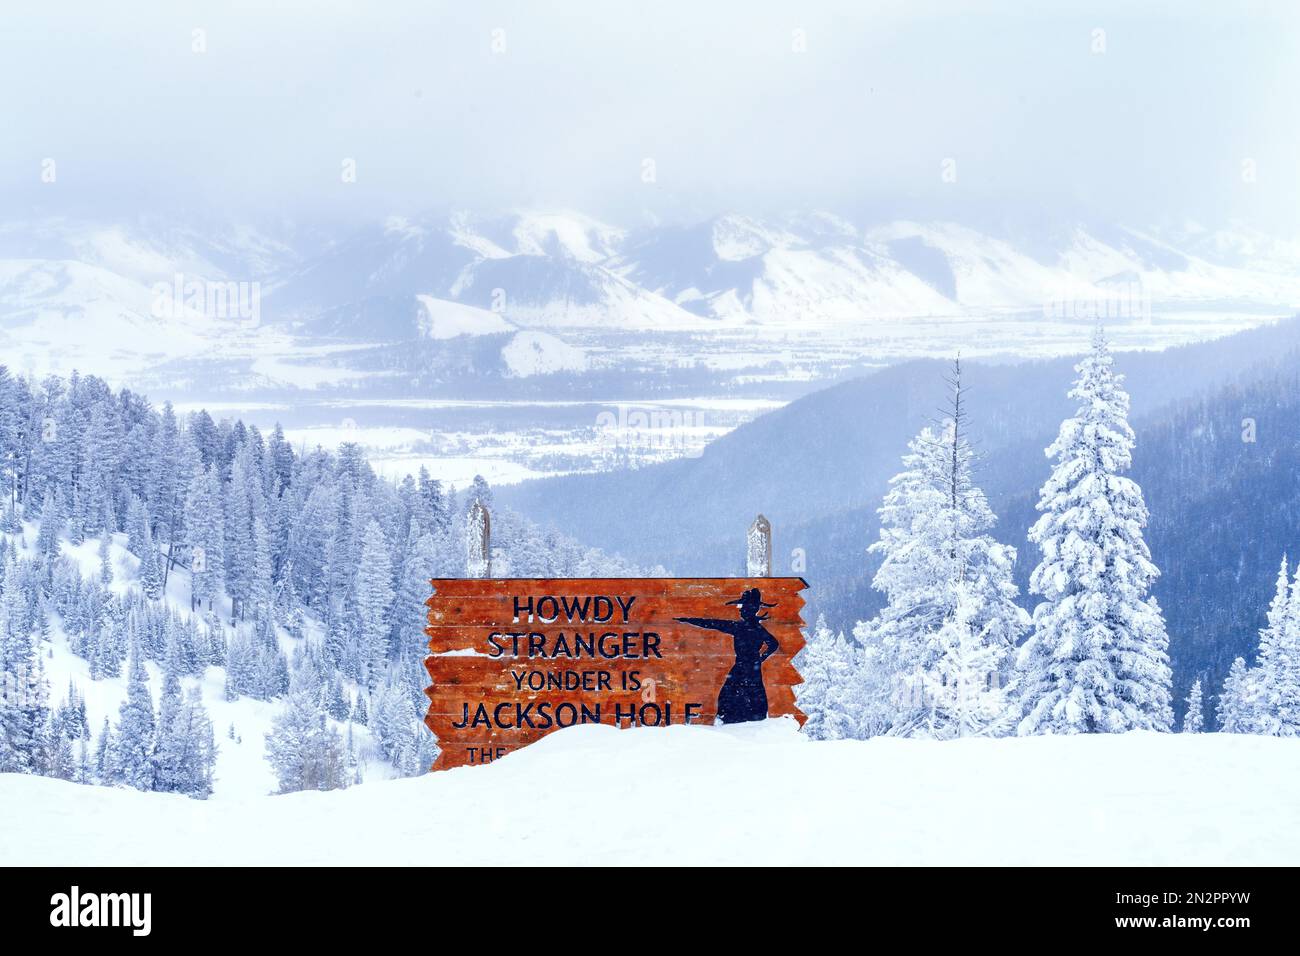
x=740, y=105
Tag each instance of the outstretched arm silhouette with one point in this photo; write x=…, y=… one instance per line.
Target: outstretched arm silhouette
x=714, y=623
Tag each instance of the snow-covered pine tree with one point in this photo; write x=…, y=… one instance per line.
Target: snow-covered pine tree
x=874, y=690
x=1194, y=718
x=85, y=772
x=62, y=759
x=134, y=740
x=166, y=485
x=306, y=753
x=934, y=541
x=419, y=564
x=1097, y=659
x=374, y=598
x=137, y=527
x=151, y=575
x=102, y=453
x=10, y=431
x=962, y=691
x=1271, y=659
x=186, y=751
x=260, y=579
x=1282, y=668
x=104, y=762
x=360, y=712
x=24, y=693
x=205, y=536
x=105, y=561
x=52, y=522
x=238, y=527
x=1241, y=701
x=814, y=667
x=828, y=668
x=333, y=699
x=394, y=716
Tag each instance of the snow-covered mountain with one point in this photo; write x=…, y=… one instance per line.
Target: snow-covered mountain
x=60, y=314
x=85, y=294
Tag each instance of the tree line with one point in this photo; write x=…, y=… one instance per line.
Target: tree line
x=953, y=653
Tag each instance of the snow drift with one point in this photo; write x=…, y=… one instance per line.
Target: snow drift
x=747, y=794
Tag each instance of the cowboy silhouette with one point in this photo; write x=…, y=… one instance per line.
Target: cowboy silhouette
x=743, y=696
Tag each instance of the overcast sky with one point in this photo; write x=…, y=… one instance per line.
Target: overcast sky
x=739, y=105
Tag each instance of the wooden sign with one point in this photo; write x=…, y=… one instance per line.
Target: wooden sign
x=512, y=660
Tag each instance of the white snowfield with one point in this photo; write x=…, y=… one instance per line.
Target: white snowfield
x=740, y=795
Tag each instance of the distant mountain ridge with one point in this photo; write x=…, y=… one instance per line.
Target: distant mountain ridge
x=562, y=269
x=566, y=274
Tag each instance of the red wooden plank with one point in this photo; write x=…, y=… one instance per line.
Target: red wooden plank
x=610, y=650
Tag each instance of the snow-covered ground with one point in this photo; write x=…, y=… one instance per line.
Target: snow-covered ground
x=504, y=441
x=743, y=794
x=242, y=769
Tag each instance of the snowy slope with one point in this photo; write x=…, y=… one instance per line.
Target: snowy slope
x=57, y=315
x=744, y=794
x=442, y=319
x=555, y=292
x=540, y=353
x=242, y=770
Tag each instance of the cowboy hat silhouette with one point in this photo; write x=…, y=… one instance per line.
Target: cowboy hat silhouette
x=750, y=602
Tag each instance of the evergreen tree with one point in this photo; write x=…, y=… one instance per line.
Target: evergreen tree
x=259, y=576
x=151, y=576
x=104, y=763
x=1097, y=660
x=187, y=749
x=1281, y=667
x=103, y=452
x=374, y=598
x=395, y=715
x=962, y=692
x=305, y=752
x=827, y=666
x=166, y=485
x=205, y=536
x=936, y=552
x=1194, y=718
x=85, y=768
x=52, y=522
x=1242, y=707
x=63, y=761
x=137, y=527
x=336, y=701
x=410, y=615
x=134, y=740
x=24, y=694
x=360, y=713
x=105, y=562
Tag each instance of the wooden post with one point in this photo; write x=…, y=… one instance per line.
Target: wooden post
x=758, y=549
x=478, y=543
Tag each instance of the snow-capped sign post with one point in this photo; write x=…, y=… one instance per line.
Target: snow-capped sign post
x=513, y=659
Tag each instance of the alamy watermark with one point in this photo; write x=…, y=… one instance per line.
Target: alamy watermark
x=77, y=908
x=239, y=302
x=1113, y=300
x=652, y=431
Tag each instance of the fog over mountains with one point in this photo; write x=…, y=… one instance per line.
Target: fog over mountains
x=413, y=279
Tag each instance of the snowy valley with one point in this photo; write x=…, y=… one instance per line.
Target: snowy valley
x=493, y=343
